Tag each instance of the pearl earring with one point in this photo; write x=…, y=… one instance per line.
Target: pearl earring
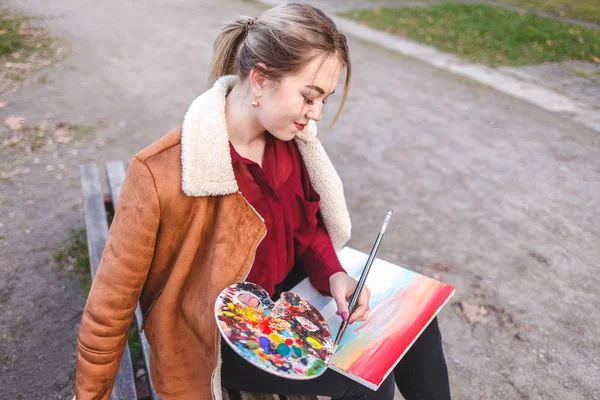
x=255, y=103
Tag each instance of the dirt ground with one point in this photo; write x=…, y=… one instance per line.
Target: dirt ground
x=490, y=194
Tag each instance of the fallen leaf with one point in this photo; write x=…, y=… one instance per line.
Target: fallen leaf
x=9, y=142
x=549, y=42
x=14, y=123
x=62, y=134
x=595, y=59
x=15, y=172
x=442, y=266
x=3, y=104
x=474, y=313
x=25, y=67
x=45, y=125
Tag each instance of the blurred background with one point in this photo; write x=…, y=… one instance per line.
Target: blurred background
x=478, y=122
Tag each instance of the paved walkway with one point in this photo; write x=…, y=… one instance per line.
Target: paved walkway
x=490, y=193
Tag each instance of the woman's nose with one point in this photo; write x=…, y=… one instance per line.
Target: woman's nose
x=315, y=113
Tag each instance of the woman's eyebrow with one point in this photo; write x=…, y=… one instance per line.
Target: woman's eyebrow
x=318, y=89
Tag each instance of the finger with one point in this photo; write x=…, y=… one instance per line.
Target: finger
x=249, y=300
x=359, y=314
x=342, y=306
x=362, y=311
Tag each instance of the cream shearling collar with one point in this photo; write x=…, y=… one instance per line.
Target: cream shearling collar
x=207, y=168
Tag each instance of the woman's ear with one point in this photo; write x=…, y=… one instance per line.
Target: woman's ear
x=258, y=79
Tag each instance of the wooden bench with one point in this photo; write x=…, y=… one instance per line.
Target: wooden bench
x=96, y=223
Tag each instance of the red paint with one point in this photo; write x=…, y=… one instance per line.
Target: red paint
x=391, y=348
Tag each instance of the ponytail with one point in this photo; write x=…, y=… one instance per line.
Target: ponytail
x=226, y=48
x=282, y=41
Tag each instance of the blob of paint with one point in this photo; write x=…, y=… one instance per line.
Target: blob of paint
x=314, y=343
x=283, y=349
x=264, y=342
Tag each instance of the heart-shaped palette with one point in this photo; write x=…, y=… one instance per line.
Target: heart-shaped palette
x=288, y=338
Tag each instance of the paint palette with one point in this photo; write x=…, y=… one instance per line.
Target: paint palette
x=288, y=338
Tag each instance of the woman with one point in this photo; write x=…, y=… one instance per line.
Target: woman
x=243, y=190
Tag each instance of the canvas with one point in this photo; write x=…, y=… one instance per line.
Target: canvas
x=402, y=304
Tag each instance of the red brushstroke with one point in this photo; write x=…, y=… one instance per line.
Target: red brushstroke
x=374, y=362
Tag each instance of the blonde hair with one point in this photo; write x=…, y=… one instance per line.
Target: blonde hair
x=283, y=39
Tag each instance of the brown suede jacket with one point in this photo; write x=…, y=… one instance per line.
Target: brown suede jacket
x=182, y=232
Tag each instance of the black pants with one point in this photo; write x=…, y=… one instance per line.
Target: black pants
x=421, y=374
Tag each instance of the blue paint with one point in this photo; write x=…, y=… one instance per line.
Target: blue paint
x=264, y=342
x=283, y=349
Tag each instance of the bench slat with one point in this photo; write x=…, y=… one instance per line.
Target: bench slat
x=258, y=396
x=96, y=228
x=264, y=396
x=124, y=388
x=116, y=171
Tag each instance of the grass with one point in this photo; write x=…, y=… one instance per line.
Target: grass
x=135, y=347
x=15, y=77
x=18, y=38
x=34, y=138
x=585, y=10
x=486, y=34
x=12, y=38
x=587, y=75
x=28, y=139
x=24, y=48
x=82, y=132
x=73, y=256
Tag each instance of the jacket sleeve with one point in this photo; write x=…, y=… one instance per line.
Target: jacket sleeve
x=320, y=260
x=118, y=283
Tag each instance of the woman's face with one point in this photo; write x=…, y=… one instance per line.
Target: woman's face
x=287, y=106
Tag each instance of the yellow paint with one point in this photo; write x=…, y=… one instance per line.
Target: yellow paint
x=275, y=338
x=314, y=343
x=229, y=314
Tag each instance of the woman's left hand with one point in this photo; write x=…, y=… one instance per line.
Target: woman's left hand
x=342, y=287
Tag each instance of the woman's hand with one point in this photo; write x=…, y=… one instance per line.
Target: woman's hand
x=342, y=288
x=249, y=300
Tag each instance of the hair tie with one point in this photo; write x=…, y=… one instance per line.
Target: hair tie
x=249, y=22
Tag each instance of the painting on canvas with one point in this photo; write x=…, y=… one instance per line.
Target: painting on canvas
x=402, y=304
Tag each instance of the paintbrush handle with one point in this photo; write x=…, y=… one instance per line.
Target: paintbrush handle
x=363, y=278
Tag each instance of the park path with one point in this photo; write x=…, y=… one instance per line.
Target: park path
x=491, y=194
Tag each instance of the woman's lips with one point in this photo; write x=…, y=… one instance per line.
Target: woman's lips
x=299, y=126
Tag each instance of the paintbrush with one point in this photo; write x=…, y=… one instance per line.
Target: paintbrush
x=361, y=281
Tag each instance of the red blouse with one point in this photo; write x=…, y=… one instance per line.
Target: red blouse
x=281, y=193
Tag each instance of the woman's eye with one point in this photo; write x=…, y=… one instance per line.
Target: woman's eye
x=309, y=101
